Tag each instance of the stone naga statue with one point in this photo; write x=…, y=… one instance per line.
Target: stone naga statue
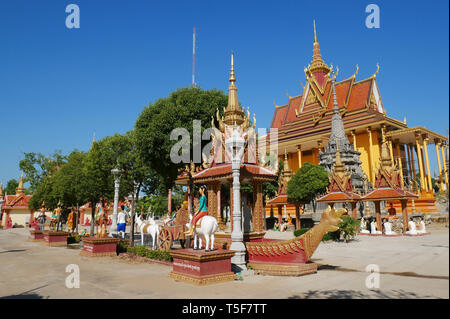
x=300, y=248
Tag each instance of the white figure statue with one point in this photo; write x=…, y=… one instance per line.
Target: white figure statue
x=388, y=229
x=412, y=228
x=208, y=226
x=373, y=228
x=363, y=227
x=421, y=229
x=151, y=228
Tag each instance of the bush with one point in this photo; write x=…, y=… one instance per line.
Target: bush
x=122, y=247
x=152, y=254
x=73, y=239
x=348, y=228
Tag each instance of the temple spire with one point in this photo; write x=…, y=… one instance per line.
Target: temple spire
x=20, y=187
x=315, y=35
x=233, y=112
x=286, y=162
x=335, y=104
x=318, y=67
x=1, y=190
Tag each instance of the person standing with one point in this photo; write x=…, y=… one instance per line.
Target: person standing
x=122, y=221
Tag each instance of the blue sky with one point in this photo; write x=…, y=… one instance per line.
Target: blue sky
x=59, y=85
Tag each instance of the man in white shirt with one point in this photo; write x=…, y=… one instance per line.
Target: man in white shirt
x=121, y=222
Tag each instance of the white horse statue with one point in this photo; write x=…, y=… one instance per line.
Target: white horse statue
x=148, y=228
x=208, y=226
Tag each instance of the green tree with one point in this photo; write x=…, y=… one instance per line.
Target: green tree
x=11, y=186
x=308, y=182
x=178, y=110
x=37, y=166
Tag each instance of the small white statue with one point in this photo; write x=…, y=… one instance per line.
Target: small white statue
x=373, y=228
x=421, y=229
x=363, y=227
x=388, y=229
x=412, y=228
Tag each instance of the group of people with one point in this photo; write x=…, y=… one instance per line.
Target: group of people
x=280, y=227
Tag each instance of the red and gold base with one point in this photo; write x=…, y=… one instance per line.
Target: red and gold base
x=223, y=240
x=202, y=268
x=55, y=238
x=36, y=235
x=282, y=269
x=99, y=247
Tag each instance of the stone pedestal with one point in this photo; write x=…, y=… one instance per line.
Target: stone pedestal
x=202, y=268
x=282, y=269
x=55, y=238
x=99, y=247
x=36, y=235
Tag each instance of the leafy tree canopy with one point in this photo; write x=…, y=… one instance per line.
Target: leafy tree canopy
x=157, y=120
x=310, y=180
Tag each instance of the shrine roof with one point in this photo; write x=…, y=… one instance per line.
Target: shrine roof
x=18, y=201
x=338, y=197
x=225, y=170
x=279, y=200
x=386, y=193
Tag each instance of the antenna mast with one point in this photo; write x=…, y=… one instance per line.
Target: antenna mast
x=193, y=58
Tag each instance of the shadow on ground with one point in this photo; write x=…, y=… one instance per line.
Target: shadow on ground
x=24, y=296
x=355, y=294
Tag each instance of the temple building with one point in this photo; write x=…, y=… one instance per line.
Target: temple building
x=15, y=207
x=304, y=129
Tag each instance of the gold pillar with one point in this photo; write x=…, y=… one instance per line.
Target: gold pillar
x=423, y=168
x=372, y=167
x=425, y=148
x=299, y=152
x=437, y=144
x=410, y=170
x=414, y=167
x=400, y=164
x=419, y=159
x=445, y=165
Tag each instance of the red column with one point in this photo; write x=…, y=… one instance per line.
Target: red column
x=404, y=203
x=378, y=215
x=169, y=204
x=354, y=210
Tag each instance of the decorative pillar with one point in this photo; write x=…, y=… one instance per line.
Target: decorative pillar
x=258, y=208
x=354, y=210
x=212, y=199
x=299, y=152
x=231, y=206
x=372, y=166
x=404, y=203
x=423, y=168
x=169, y=201
x=378, y=214
x=414, y=167
x=425, y=148
x=117, y=175
x=410, y=170
x=445, y=165
x=400, y=164
x=280, y=214
x=437, y=144
x=419, y=158
x=219, y=208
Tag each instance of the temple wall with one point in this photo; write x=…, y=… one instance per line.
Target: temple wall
x=19, y=216
x=362, y=146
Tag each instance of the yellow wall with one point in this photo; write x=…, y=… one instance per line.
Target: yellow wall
x=362, y=146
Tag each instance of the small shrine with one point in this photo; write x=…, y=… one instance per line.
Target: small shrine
x=340, y=189
x=338, y=139
x=217, y=169
x=15, y=207
x=388, y=187
x=281, y=200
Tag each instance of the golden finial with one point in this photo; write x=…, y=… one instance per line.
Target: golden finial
x=1, y=190
x=356, y=72
x=20, y=187
x=378, y=69
x=287, y=93
x=232, y=75
x=275, y=104
x=404, y=120
x=315, y=36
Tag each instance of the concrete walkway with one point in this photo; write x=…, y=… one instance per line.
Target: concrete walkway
x=411, y=267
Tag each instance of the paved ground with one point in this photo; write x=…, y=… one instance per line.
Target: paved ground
x=411, y=267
